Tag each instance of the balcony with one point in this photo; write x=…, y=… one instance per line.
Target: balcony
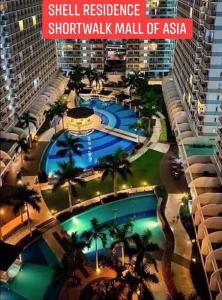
x=220, y=133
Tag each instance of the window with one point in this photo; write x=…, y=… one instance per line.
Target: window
x=21, y=25
x=34, y=21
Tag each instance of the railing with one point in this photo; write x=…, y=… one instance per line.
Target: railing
x=100, y=198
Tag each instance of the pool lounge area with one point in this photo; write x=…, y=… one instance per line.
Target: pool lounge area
x=97, y=144
x=34, y=281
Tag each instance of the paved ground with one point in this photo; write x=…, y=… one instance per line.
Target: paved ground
x=183, y=246
x=74, y=293
x=159, y=290
x=31, y=171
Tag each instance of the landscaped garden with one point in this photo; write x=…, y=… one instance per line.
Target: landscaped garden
x=145, y=171
x=130, y=223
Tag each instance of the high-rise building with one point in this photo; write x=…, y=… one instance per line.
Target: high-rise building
x=158, y=54
x=198, y=65
x=29, y=78
x=84, y=52
x=27, y=62
x=193, y=98
x=153, y=57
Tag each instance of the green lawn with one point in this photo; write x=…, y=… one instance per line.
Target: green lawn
x=145, y=170
x=163, y=134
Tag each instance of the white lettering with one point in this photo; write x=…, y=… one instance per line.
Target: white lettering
x=152, y=28
x=51, y=28
x=51, y=9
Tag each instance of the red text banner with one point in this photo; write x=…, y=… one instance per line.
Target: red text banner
x=110, y=19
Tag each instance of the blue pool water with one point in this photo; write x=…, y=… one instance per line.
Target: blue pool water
x=113, y=114
x=97, y=144
x=141, y=209
x=34, y=282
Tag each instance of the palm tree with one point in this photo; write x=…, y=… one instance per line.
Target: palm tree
x=93, y=235
x=93, y=76
x=69, y=146
x=143, y=248
x=137, y=81
x=122, y=235
x=150, y=105
x=59, y=108
x=25, y=121
x=64, y=272
x=22, y=197
x=148, y=111
x=74, y=245
x=70, y=174
x=23, y=146
x=50, y=114
x=114, y=165
x=76, y=77
x=139, y=126
x=89, y=73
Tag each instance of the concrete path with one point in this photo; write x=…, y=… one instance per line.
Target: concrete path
x=122, y=134
x=183, y=246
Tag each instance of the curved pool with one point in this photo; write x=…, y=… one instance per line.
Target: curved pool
x=113, y=114
x=34, y=281
x=96, y=144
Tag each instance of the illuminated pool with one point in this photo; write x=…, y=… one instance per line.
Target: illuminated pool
x=97, y=144
x=34, y=281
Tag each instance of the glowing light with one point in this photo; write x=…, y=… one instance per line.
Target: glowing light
x=152, y=224
x=75, y=221
x=193, y=241
x=144, y=183
x=19, y=182
x=194, y=259
x=124, y=186
x=98, y=193
x=1, y=211
x=98, y=270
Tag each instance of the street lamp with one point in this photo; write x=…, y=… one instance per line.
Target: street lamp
x=98, y=194
x=19, y=182
x=1, y=214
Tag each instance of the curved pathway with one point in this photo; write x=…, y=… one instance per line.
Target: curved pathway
x=183, y=246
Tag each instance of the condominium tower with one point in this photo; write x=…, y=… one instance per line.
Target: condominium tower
x=27, y=63
x=198, y=65
x=153, y=57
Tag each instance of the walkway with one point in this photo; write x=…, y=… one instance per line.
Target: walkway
x=31, y=168
x=183, y=246
x=122, y=134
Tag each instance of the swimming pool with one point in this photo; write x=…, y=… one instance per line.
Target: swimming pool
x=139, y=208
x=34, y=281
x=97, y=144
x=113, y=114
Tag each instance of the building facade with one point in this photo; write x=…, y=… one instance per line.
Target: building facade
x=27, y=62
x=84, y=52
x=198, y=65
x=193, y=98
x=153, y=57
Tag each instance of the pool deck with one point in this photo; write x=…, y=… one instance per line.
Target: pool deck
x=183, y=245
x=31, y=171
x=159, y=290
